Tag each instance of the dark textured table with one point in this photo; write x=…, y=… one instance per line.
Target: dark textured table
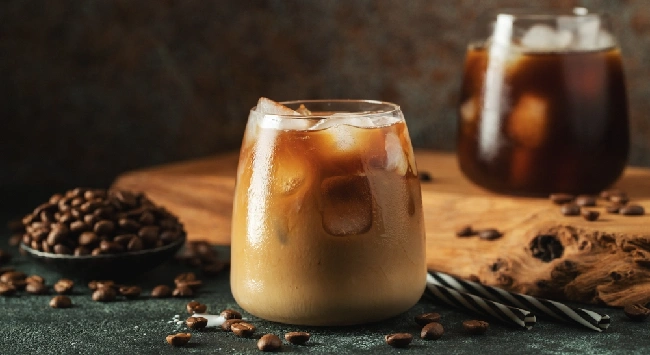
x=29, y=326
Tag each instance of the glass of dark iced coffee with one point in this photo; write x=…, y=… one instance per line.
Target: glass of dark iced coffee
x=543, y=104
x=327, y=224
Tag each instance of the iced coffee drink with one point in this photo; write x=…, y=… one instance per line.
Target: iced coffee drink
x=543, y=106
x=327, y=223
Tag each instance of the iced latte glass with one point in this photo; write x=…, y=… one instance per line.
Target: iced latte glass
x=327, y=222
x=543, y=104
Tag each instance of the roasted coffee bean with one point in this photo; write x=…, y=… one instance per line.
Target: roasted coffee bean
x=178, y=339
x=161, y=291
x=230, y=314
x=97, y=284
x=432, y=331
x=228, y=324
x=570, y=209
x=182, y=291
x=149, y=234
x=620, y=199
x=636, y=312
x=465, y=231
x=61, y=249
x=632, y=210
x=424, y=176
x=7, y=289
x=110, y=247
x=64, y=286
x=81, y=251
x=5, y=257
x=399, y=340
x=36, y=288
x=269, y=342
x=188, y=279
x=147, y=218
x=124, y=239
x=35, y=279
x=90, y=219
x=196, y=307
x=561, y=199
x=61, y=302
x=297, y=338
x=130, y=292
x=169, y=236
x=426, y=318
x=88, y=238
x=12, y=276
x=96, y=252
x=78, y=227
x=243, y=329
x=196, y=322
x=475, y=327
x=135, y=244
x=585, y=201
x=128, y=225
x=590, y=215
x=489, y=234
x=104, y=227
x=104, y=294
x=613, y=208
x=611, y=192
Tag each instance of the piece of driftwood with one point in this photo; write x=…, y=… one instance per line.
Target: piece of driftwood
x=541, y=252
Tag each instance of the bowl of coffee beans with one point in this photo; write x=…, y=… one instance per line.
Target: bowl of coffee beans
x=101, y=233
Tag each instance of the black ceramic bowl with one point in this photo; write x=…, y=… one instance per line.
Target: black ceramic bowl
x=110, y=266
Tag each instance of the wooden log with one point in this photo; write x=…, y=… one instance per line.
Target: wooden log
x=541, y=252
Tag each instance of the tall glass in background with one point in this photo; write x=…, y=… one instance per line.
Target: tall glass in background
x=327, y=222
x=543, y=104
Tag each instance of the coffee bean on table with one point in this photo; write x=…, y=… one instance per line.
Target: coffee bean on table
x=130, y=292
x=243, y=329
x=489, y=234
x=636, y=312
x=64, y=286
x=182, y=291
x=35, y=279
x=585, y=201
x=632, y=210
x=399, y=340
x=613, y=208
x=228, y=324
x=230, y=314
x=196, y=307
x=36, y=288
x=620, y=199
x=161, y=291
x=570, y=209
x=590, y=215
x=104, y=294
x=269, y=342
x=465, y=231
x=7, y=289
x=178, y=339
x=426, y=318
x=61, y=302
x=475, y=327
x=297, y=338
x=560, y=198
x=196, y=322
x=432, y=331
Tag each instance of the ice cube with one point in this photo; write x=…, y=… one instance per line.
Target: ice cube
x=527, y=124
x=396, y=159
x=303, y=110
x=341, y=119
x=290, y=172
x=544, y=37
x=269, y=107
x=605, y=40
x=347, y=205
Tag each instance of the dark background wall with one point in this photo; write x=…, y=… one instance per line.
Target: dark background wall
x=91, y=88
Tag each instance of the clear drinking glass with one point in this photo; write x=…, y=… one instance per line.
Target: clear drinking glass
x=543, y=104
x=327, y=219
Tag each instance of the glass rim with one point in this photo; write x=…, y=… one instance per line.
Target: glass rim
x=546, y=13
x=393, y=108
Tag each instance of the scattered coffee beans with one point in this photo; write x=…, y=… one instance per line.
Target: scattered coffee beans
x=100, y=221
x=619, y=198
x=489, y=234
x=632, y=210
x=201, y=254
x=636, y=312
x=465, y=231
x=14, y=278
x=178, y=339
x=613, y=208
x=228, y=324
x=590, y=215
x=399, y=340
x=182, y=291
x=426, y=318
x=130, y=292
x=196, y=307
x=269, y=342
x=35, y=279
x=230, y=314
x=475, y=327
x=61, y=302
x=95, y=285
x=63, y=286
x=585, y=201
x=161, y=291
x=36, y=288
x=570, y=209
x=432, y=331
x=561, y=199
x=7, y=289
x=297, y=338
x=243, y=329
x=104, y=294
x=196, y=322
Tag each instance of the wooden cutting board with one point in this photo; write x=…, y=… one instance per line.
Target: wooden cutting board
x=605, y=261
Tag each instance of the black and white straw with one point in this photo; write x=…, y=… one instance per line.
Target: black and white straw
x=556, y=310
x=520, y=317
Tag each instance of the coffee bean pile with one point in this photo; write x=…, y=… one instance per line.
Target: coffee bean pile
x=485, y=234
x=617, y=203
x=95, y=222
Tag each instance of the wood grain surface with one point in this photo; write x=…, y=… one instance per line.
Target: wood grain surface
x=605, y=261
